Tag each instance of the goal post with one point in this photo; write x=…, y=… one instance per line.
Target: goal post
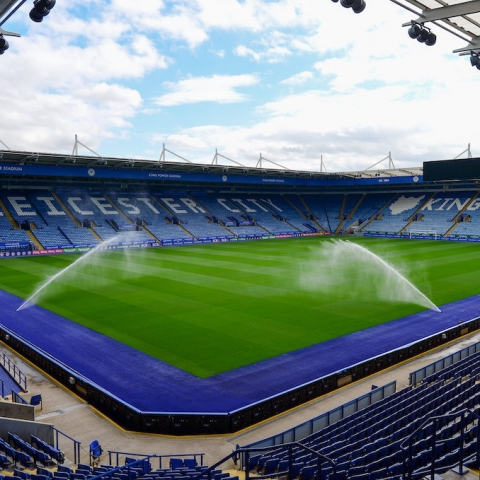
x=423, y=233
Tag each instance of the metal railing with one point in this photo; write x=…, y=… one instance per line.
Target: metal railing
x=417, y=376
x=76, y=444
x=16, y=398
x=430, y=470
x=324, y=420
x=13, y=371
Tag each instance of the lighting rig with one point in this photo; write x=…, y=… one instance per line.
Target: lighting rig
x=41, y=8
x=358, y=6
x=423, y=34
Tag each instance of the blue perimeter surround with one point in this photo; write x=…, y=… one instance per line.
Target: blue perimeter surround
x=151, y=386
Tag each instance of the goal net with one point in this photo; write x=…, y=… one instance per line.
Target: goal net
x=423, y=233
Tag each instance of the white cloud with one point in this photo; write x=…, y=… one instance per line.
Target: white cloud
x=218, y=88
x=298, y=78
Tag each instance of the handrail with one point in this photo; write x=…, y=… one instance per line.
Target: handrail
x=76, y=444
x=419, y=375
x=408, y=442
x=13, y=371
x=316, y=424
x=245, y=451
x=16, y=398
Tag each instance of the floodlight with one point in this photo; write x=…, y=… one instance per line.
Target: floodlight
x=41, y=8
x=414, y=30
x=3, y=45
x=359, y=6
x=423, y=36
x=431, y=39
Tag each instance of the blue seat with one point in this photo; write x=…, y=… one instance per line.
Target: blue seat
x=271, y=466
x=63, y=468
x=36, y=400
x=309, y=473
x=42, y=457
x=253, y=462
x=4, y=461
x=77, y=476
x=83, y=466
x=44, y=472
x=21, y=474
x=176, y=463
x=39, y=477
x=95, y=451
x=58, y=474
x=22, y=458
x=190, y=463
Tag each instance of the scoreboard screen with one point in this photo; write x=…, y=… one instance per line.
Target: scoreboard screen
x=461, y=169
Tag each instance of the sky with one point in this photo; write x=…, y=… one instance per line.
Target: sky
x=295, y=82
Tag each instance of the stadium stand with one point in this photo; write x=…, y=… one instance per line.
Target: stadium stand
x=396, y=216
x=431, y=427
x=326, y=208
x=425, y=429
x=271, y=212
x=62, y=218
x=193, y=217
x=298, y=203
x=370, y=206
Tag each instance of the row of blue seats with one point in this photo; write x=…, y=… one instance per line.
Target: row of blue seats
x=54, y=452
x=33, y=454
x=373, y=438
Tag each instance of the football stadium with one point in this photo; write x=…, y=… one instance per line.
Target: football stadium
x=182, y=320
x=181, y=299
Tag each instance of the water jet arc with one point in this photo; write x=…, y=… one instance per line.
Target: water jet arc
x=54, y=278
x=395, y=272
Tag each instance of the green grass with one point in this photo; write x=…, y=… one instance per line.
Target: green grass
x=209, y=309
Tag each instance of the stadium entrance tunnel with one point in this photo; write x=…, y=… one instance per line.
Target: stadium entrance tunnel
x=193, y=423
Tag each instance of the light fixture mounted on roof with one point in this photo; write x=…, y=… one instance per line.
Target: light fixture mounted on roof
x=41, y=8
x=358, y=6
x=3, y=45
x=422, y=33
x=475, y=60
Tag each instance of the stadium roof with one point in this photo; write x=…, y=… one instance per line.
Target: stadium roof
x=22, y=158
x=462, y=19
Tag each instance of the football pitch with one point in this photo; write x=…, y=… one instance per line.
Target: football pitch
x=208, y=309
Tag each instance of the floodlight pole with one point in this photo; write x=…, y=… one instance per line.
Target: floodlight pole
x=323, y=167
x=164, y=150
x=215, y=159
x=259, y=163
x=391, y=165
x=77, y=143
x=467, y=151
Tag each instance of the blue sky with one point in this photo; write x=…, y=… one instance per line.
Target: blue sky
x=293, y=80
